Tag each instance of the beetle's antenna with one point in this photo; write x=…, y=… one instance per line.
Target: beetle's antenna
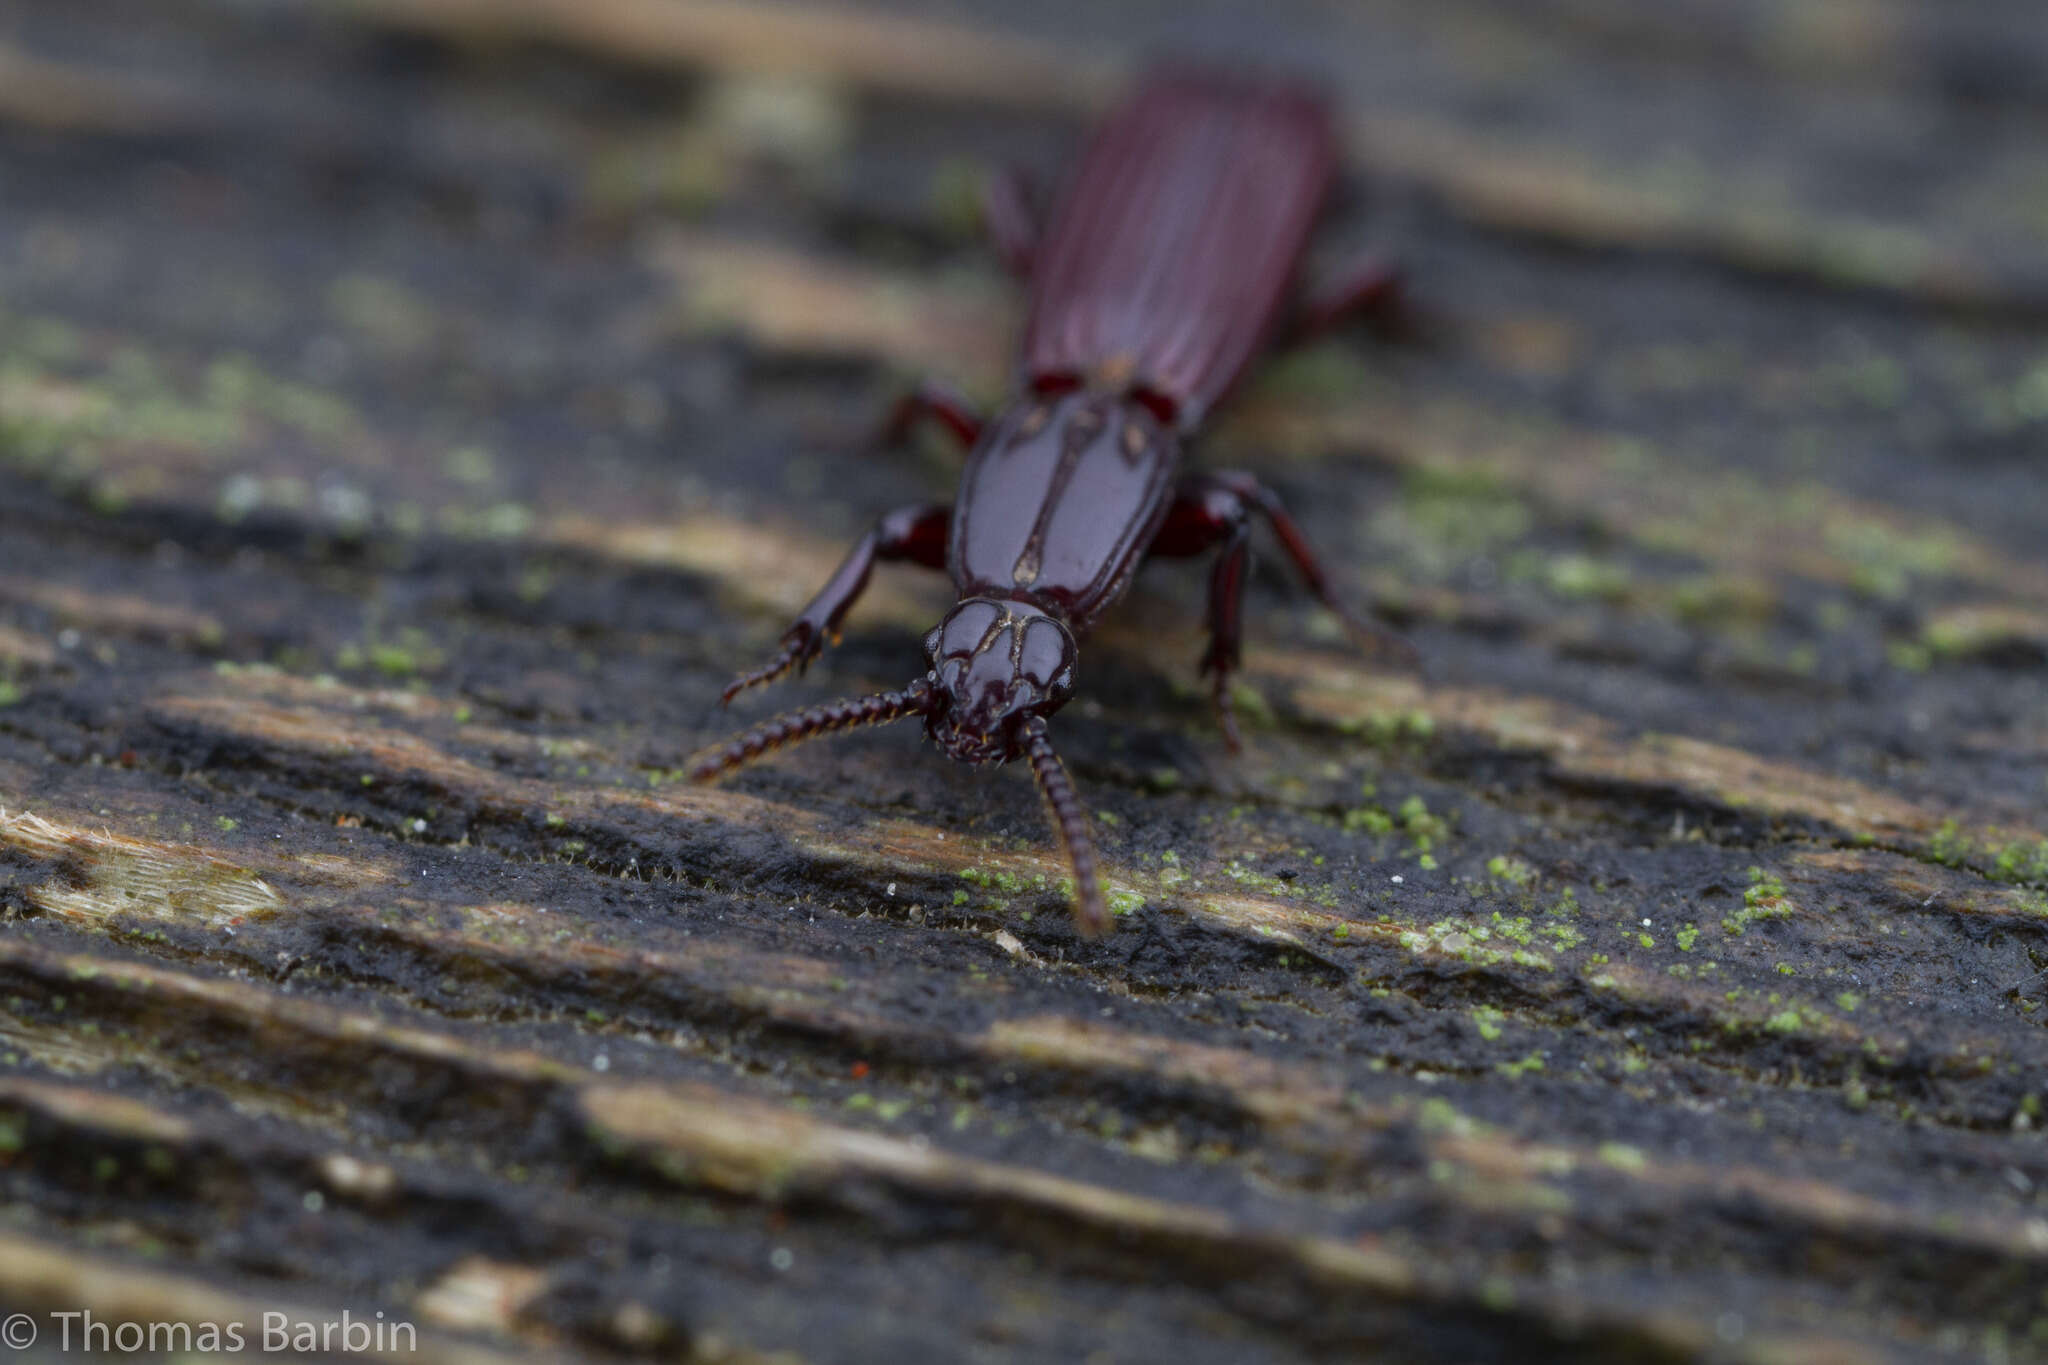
x=793, y=727
x=1070, y=818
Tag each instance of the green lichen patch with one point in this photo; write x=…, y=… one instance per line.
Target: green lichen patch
x=1511, y=870
x=2022, y=861
x=1763, y=899
x=1478, y=943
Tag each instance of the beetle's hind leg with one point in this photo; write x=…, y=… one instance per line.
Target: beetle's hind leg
x=916, y=533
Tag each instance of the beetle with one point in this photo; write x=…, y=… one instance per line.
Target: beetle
x=1161, y=274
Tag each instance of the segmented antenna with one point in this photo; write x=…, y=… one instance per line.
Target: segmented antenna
x=1070, y=818
x=793, y=727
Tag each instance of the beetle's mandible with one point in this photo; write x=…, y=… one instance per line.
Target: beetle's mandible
x=1161, y=274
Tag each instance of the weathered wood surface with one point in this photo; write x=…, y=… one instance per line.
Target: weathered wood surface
x=413, y=410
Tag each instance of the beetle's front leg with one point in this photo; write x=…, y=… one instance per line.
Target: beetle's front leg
x=916, y=533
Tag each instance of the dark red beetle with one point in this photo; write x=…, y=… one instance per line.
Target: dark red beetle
x=1161, y=274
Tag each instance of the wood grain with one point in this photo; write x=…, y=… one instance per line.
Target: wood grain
x=413, y=411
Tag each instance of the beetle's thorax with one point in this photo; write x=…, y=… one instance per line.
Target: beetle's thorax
x=995, y=662
x=1059, y=500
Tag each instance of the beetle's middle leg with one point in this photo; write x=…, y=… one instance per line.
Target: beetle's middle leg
x=916, y=533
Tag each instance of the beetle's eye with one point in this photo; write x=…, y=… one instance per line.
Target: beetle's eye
x=931, y=644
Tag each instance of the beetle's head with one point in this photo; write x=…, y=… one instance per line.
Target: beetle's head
x=999, y=668
x=995, y=663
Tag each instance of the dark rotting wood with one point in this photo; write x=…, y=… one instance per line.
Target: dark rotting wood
x=411, y=410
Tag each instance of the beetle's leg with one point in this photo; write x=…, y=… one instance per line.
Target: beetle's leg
x=1011, y=223
x=1216, y=508
x=1369, y=287
x=930, y=399
x=916, y=533
x=1367, y=633
x=1205, y=514
x=1226, y=626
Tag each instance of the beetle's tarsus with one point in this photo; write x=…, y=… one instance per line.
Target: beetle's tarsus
x=1219, y=664
x=799, y=647
x=916, y=533
x=1226, y=714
